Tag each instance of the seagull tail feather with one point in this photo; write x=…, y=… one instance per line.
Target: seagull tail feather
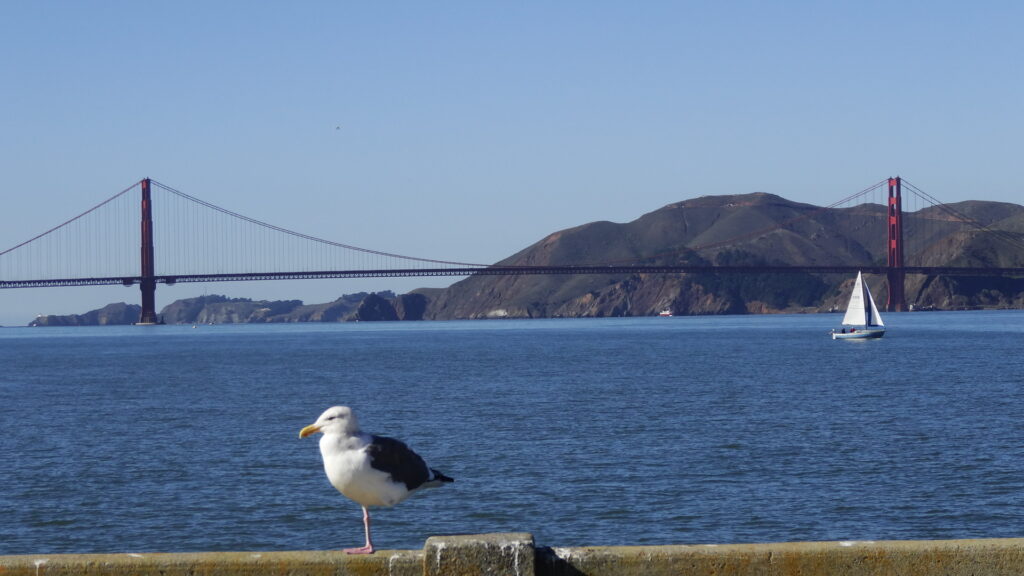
x=439, y=477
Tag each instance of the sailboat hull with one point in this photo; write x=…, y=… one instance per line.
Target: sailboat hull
x=860, y=334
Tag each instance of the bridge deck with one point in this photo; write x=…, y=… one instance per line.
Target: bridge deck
x=517, y=270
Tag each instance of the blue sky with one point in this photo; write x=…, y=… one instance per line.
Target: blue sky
x=469, y=130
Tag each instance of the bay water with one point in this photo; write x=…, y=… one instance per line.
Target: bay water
x=684, y=430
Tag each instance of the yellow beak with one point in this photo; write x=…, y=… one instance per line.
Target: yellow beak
x=308, y=430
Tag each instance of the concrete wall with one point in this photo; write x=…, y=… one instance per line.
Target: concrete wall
x=516, y=554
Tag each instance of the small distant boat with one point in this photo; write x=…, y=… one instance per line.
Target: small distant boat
x=861, y=315
x=665, y=313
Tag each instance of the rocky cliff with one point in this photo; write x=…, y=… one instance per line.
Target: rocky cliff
x=119, y=313
x=362, y=306
x=216, y=309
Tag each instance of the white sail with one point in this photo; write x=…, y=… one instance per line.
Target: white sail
x=862, y=310
x=873, y=318
x=855, y=309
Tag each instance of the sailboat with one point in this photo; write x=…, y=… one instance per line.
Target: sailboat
x=861, y=314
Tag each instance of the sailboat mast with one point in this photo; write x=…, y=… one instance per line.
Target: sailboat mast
x=866, y=296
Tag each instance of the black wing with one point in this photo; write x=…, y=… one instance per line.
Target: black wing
x=395, y=458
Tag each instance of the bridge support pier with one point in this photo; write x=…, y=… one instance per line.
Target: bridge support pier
x=148, y=283
x=148, y=315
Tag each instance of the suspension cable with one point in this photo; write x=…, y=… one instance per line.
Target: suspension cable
x=1001, y=234
x=307, y=236
x=62, y=224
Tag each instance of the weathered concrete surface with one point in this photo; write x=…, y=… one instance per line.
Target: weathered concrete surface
x=515, y=554
x=490, y=554
x=994, y=557
x=390, y=562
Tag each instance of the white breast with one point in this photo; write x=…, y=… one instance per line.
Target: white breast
x=348, y=469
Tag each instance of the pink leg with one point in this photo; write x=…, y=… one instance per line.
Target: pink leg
x=368, y=548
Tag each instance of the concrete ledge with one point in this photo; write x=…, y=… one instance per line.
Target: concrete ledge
x=391, y=562
x=482, y=554
x=516, y=554
x=947, y=557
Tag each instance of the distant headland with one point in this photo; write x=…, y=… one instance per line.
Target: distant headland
x=217, y=309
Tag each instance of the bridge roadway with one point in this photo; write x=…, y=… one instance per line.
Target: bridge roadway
x=515, y=270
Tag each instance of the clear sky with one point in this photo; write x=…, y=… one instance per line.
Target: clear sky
x=468, y=130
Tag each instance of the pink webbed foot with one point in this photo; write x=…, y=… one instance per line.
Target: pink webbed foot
x=364, y=550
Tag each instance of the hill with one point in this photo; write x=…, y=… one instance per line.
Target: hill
x=744, y=230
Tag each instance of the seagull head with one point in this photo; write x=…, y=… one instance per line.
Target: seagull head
x=334, y=420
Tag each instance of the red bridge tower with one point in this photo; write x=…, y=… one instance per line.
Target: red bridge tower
x=897, y=301
x=148, y=281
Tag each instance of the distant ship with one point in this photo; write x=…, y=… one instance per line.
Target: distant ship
x=665, y=312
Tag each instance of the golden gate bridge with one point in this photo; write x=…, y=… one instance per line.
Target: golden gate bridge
x=125, y=238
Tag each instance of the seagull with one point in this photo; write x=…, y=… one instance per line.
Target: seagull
x=370, y=470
